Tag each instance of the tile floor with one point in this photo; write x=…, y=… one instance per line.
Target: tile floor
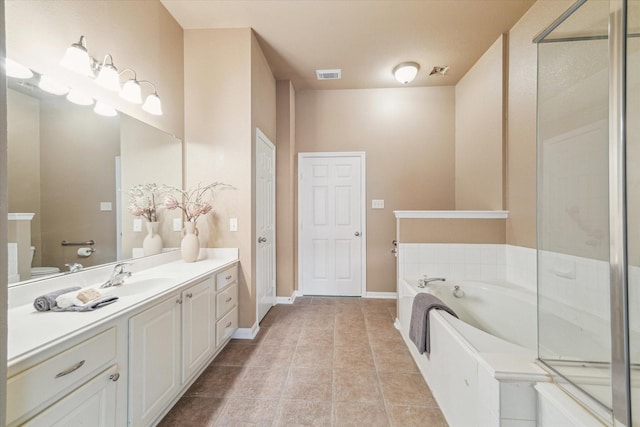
x=321, y=361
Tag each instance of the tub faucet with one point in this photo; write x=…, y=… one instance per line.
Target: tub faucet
x=117, y=275
x=424, y=282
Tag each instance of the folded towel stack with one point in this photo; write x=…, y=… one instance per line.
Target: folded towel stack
x=73, y=299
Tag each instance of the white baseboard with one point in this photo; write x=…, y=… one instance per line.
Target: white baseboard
x=287, y=300
x=383, y=295
x=246, y=333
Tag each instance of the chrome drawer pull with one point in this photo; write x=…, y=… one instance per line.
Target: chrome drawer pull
x=179, y=301
x=115, y=377
x=228, y=299
x=228, y=277
x=189, y=295
x=228, y=324
x=71, y=369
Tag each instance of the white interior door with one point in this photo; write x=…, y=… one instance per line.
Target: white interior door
x=265, y=224
x=331, y=224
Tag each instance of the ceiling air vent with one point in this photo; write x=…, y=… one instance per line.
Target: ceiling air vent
x=329, y=74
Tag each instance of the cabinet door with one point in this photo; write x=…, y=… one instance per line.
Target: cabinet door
x=154, y=360
x=93, y=404
x=198, y=325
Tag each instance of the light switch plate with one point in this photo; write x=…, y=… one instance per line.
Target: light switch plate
x=233, y=224
x=106, y=206
x=377, y=204
x=137, y=224
x=177, y=224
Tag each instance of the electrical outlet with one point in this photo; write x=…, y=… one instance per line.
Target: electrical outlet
x=106, y=206
x=177, y=224
x=233, y=224
x=377, y=204
x=137, y=224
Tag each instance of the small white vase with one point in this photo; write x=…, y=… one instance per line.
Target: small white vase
x=190, y=245
x=152, y=243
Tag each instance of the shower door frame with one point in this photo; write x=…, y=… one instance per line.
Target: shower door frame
x=619, y=307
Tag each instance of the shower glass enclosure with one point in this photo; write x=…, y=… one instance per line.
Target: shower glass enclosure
x=588, y=208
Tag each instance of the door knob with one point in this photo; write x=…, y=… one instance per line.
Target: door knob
x=357, y=233
x=262, y=239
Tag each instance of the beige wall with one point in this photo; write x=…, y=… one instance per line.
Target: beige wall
x=286, y=208
x=23, y=135
x=451, y=231
x=229, y=90
x=408, y=137
x=139, y=34
x=479, y=142
x=521, y=134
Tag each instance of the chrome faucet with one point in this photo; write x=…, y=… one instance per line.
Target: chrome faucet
x=424, y=282
x=117, y=275
x=74, y=267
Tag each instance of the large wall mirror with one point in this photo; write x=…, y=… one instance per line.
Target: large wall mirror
x=72, y=170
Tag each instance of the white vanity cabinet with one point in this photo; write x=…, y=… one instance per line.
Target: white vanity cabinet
x=69, y=384
x=226, y=304
x=154, y=360
x=198, y=326
x=170, y=343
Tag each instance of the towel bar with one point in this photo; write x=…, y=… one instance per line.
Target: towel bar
x=89, y=242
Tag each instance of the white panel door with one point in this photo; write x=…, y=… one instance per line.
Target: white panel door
x=331, y=225
x=265, y=224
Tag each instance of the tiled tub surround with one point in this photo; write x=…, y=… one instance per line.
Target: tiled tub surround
x=468, y=368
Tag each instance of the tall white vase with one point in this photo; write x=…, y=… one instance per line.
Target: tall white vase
x=152, y=243
x=190, y=245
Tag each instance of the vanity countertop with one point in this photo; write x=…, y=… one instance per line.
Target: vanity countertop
x=31, y=331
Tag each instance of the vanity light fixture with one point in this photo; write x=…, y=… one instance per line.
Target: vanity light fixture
x=77, y=97
x=49, y=85
x=17, y=70
x=152, y=104
x=108, y=76
x=406, y=72
x=77, y=58
x=104, y=110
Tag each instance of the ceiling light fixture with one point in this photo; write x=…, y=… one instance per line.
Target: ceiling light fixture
x=406, y=72
x=77, y=58
x=17, y=70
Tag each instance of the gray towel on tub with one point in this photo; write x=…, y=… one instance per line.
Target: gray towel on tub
x=423, y=303
x=47, y=302
x=90, y=306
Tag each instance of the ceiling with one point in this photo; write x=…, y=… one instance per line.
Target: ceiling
x=364, y=38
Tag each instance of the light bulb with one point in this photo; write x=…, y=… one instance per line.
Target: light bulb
x=104, y=110
x=131, y=92
x=17, y=70
x=77, y=59
x=109, y=78
x=51, y=86
x=79, y=98
x=152, y=105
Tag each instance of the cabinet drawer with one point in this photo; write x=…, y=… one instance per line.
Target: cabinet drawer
x=58, y=374
x=227, y=277
x=226, y=300
x=226, y=326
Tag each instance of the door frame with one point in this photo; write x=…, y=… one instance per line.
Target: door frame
x=363, y=212
x=265, y=138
